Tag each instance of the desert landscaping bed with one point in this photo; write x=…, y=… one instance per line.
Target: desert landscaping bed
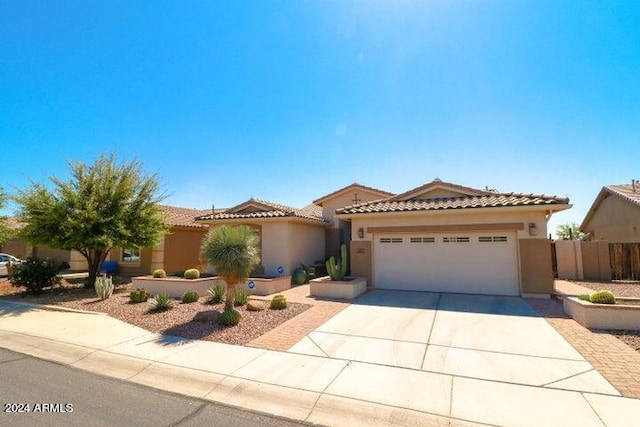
x=620, y=288
x=178, y=321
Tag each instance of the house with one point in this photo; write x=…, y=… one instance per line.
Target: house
x=615, y=214
x=178, y=251
x=444, y=237
x=21, y=249
x=288, y=236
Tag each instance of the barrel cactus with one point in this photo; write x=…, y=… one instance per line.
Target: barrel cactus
x=104, y=287
x=278, y=302
x=603, y=297
x=192, y=273
x=338, y=270
x=139, y=295
x=159, y=273
x=229, y=318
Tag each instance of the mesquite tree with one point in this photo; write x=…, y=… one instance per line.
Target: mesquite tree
x=106, y=205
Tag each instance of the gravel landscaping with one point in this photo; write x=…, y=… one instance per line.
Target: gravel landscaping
x=620, y=288
x=176, y=321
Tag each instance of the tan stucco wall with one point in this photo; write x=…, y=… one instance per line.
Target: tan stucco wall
x=47, y=252
x=329, y=207
x=182, y=249
x=569, y=259
x=536, y=273
x=306, y=245
x=361, y=260
x=16, y=247
x=615, y=221
x=595, y=261
x=275, y=247
x=454, y=218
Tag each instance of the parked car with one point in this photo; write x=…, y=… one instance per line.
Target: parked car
x=4, y=260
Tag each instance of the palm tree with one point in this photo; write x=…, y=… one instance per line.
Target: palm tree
x=233, y=252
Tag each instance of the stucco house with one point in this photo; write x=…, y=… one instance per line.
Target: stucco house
x=178, y=251
x=614, y=216
x=445, y=237
x=21, y=249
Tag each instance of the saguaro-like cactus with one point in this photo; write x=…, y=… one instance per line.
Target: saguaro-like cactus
x=338, y=270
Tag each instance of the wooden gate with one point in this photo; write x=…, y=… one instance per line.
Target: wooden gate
x=625, y=261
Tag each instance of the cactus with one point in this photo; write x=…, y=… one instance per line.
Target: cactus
x=229, y=318
x=241, y=297
x=159, y=273
x=338, y=270
x=139, y=295
x=161, y=302
x=278, y=302
x=104, y=287
x=603, y=297
x=189, y=297
x=215, y=294
x=191, y=274
x=584, y=297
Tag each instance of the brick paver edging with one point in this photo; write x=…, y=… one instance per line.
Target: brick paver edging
x=615, y=360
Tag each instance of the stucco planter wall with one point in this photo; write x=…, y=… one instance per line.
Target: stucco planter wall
x=175, y=286
x=604, y=316
x=268, y=286
x=324, y=287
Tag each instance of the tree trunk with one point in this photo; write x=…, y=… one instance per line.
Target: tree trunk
x=231, y=297
x=94, y=259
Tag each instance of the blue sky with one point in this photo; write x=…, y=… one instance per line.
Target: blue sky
x=290, y=100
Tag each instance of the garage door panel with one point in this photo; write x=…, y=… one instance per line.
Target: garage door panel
x=463, y=263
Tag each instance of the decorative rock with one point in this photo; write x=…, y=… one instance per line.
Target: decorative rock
x=206, y=316
x=255, y=305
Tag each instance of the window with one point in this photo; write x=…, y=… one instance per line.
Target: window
x=130, y=255
x=423, y=240
x=489, y=239
x=455, y=240
x=391, y=240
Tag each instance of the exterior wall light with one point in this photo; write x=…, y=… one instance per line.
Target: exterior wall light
x=361, y=233
x=533, y=229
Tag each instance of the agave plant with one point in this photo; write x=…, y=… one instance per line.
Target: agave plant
x=104, y=287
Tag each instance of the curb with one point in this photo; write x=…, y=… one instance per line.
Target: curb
x=48, y=307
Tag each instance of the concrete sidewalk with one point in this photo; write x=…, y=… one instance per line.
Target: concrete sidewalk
x=303, y=387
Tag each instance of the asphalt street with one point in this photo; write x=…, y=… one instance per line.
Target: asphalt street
x=35, y=392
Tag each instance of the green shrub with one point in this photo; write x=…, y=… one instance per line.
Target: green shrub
x=189, y=297
x=139, y=295
x=191, y=274
x=603, y=297
x=229, y=318
x=104, y=287
x=117, y=280
x=241, y=297
x=161, y=302
x=35, y=274
x=159, y=273
x=278, y=302
x=585, y=297
x=299, y=276
x=216, y=294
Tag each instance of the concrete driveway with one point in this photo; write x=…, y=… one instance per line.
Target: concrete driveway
x=460, y=339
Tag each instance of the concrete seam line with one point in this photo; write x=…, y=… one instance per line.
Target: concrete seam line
x=50, y=307
x=231, y=374
x=513, y=354
x=325, y=389
x=453, y=379
x=317, y=345
x=435, y=315
x=593, y=409
x=51, y=339
x=570, y=376
x=369, y=338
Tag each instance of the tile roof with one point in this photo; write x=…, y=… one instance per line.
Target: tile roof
x=626, y=192
x=183, y=217
x=488, y=200
x=355, y=184
x=14, y=224
x=439, y=183
x=269, y=210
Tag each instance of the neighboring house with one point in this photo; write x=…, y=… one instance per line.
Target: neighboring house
x=21, y=249
x=444, y=237
x=179, y=250
x=615, y=214
x=288, y=236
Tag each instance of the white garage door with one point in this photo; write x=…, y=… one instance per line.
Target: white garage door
x=472, y=263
